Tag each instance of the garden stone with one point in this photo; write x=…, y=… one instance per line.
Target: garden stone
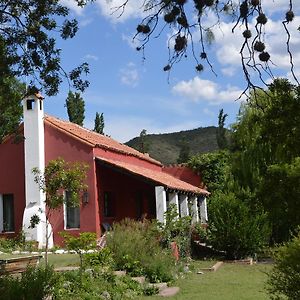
x=105, y=295
x=25, y=252
x=60, y=251
x=120, y=273
x=1, y=252
x=140, y=279
x=35, y=252
x=161, y=285
x=16, y=252
x=169, y=291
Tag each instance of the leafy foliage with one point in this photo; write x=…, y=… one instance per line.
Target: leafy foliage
x=214, y=168
x=35, y=284
x=221, y=131
x=266, y=144
x=234, y=228
x=143, y=142
x=59, y=176
x=99, y=123
x=283, y=207
x=81, y=243
x=190, y=21
x=184, y=154
x=176, y=230
x=11, y=94
x=28, y=43
x=76, y=108
x=284, y=279
x=135, y=247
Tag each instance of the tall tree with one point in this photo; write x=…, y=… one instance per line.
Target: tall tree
x=99, y=123
x=75, y=107
x=29, y=31
x=191, y=21
x=221, y=131
x=267, y=144
x=11, y=94
x=143, y=142
x=184, y=153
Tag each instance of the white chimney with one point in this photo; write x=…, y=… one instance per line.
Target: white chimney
x=33, y=114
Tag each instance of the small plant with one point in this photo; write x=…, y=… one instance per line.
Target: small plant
x=101, y=258
x=81, y=243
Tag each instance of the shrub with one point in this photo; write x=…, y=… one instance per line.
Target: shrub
x=284, y=279
x=101, y=258
x=34, y=284
x=135, y=247
x=98, y=286
x=84, y=241
x=177, y=230
x=234, y=228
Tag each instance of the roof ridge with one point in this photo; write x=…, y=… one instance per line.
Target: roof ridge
x=131, y=152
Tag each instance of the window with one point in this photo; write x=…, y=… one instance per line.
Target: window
x=109, y=207
x=30, y=104
x=72, y=213
x=8, y=213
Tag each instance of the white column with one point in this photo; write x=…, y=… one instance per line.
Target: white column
x=34, y=158
x=161, y=203
x=173, y=199
x=203, y=209
x=195, y=214
x=1, y=213
x=184, y=208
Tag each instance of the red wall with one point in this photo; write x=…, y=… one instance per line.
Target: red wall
x=12, y=179
x=58, y=144
x=185, y=174
x=125, y=189
x=126, y=158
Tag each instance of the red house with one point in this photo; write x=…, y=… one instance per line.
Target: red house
x=122, y=182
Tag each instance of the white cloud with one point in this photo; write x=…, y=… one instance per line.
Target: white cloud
x=71, y=4
x=133, y=9
x=91, y=57
x=198, y=89
x=129, y=75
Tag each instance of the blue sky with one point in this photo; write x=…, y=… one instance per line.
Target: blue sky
x=135, y=94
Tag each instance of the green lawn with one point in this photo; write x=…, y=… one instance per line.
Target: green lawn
x=58, y=260
x=230, y=282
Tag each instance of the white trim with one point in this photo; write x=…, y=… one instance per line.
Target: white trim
x=161, y=203
x=184, y=207
x=173, y=199
x=65, y=214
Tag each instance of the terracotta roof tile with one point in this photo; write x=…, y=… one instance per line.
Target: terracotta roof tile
x=160, y=177
x=95, y=139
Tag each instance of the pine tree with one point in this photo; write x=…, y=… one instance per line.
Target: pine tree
x=143, y=143
x=99, y=123
x=221, y=131
x=75, y=107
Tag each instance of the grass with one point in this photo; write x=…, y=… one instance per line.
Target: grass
x=230, y=282
x=58, y=260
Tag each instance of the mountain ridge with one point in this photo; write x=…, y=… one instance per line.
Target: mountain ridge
x=165, y=147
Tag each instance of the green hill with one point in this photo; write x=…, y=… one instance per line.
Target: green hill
x=166, y=147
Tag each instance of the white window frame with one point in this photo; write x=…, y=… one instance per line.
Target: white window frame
x=65, y=214
x=2, y=214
